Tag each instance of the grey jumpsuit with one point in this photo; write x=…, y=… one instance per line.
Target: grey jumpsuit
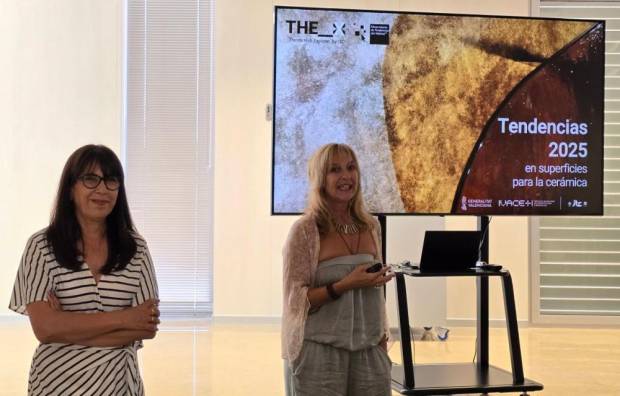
x=340, y=355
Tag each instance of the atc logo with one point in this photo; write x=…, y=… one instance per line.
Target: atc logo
x=577, y=204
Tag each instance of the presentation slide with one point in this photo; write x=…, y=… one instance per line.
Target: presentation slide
x=448, y=114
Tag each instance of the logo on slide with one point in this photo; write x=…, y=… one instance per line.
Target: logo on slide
x=379, y=32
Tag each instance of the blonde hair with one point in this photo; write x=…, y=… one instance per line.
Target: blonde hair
x=318, y=167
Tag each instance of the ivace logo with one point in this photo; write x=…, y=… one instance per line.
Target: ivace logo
x=379, y=33
x=515, y=203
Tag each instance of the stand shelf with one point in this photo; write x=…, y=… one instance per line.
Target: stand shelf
x=479, y=377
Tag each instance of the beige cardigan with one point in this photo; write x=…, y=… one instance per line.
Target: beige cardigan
x=301, y=259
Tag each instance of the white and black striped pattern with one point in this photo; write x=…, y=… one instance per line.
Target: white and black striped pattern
x=64, y=369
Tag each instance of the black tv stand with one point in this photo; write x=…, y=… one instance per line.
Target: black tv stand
x=478, y=377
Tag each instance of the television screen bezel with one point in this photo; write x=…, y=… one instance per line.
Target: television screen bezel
x=383, y=11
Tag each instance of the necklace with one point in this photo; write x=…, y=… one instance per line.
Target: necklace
x=346, y=228
x=349, y=249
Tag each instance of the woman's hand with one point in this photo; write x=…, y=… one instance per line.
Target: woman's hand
x=53, y=301
x=142, y=317
x=384, y=343
x=359, y=278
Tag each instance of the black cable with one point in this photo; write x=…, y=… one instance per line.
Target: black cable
x=482, y=237
x=478, y=263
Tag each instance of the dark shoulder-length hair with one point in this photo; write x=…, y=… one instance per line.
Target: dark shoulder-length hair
x=64, y=231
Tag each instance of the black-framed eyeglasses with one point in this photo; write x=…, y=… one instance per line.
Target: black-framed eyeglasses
x=92, y=181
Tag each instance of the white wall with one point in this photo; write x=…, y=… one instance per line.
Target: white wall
x=60, y=88
x=247, y=240
x=509, y=247
x=61, y=73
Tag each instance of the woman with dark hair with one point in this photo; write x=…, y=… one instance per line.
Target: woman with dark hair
x=88, y=285
x=334, y=323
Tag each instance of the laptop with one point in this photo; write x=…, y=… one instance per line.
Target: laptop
x=449, y=251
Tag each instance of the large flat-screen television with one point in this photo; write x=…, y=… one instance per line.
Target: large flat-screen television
x=448, y=114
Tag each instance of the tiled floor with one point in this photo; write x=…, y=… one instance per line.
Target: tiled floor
x=198, y=358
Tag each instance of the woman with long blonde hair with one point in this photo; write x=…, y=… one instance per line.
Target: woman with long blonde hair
x=334, y=326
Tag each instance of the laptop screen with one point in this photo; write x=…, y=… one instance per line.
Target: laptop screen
x=449, y=251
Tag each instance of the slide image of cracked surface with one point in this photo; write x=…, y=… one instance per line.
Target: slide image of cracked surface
x=419, y=98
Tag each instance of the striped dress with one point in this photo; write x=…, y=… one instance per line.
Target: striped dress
x=70, y=369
